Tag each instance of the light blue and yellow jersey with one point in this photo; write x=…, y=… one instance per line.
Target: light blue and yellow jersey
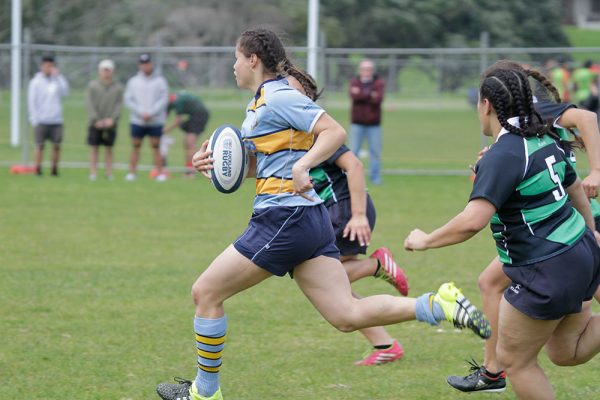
x=277, y=130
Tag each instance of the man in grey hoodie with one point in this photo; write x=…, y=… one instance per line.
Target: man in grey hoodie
x=147, y=97
x=104, y=100
x=44, y=101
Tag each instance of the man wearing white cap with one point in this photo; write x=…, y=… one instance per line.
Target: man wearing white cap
x=104, y=100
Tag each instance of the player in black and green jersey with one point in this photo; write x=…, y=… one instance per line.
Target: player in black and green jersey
x=555, y=113
x=549, y=254
x=340, y=182
x=489, y=376
x=186, y=104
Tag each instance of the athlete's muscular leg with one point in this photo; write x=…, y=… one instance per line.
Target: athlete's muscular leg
x=519, y=343
x=358, y=268
x=492, y=283
x=324, y=281
x=576, y=340
x=228, y=274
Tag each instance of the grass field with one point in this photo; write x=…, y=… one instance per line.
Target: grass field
x=422, y=134
x=579, y=37
x=425, y=134
x=96, y=278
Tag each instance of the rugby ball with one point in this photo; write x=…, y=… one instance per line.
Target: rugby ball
x=230, y=164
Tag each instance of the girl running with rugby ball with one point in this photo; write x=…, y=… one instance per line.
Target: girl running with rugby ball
x=290, y=231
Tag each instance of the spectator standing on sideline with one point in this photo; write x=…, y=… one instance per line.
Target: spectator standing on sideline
x=586, y=89
x=561, y=78
x=367, y=91
x=146, y=96
x=197, y=116
x=104, y=100
x=44, y=99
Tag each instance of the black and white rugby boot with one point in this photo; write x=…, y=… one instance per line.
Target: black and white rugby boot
x=479, y=380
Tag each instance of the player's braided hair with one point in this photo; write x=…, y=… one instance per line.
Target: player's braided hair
x=308, y=83
x=269, y=48
x=510, y=94
x=536, y=75
x=550, y=88
x=544, y=90
x=545, y=82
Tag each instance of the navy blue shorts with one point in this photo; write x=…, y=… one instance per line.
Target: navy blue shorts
x=597, y=220
x=557, y=286
x=139, y=131
x=278, y=239
x=340, y=213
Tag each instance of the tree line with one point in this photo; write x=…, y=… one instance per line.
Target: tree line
x=344, y=23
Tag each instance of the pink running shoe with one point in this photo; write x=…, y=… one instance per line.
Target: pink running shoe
x=383, y=356
x=390, y=271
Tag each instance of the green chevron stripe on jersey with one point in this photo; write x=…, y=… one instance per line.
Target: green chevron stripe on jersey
x=595, y=207
x=323, y=184
x=564, y=135
x=525, y=179
x=330, y=180
x=542, y=181
x=495, y=219
x=327, y=193
x=538, y=214
x=538, y=143
x=570, y=230
x=503, y=255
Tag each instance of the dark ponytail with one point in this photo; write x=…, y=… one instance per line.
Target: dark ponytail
x=308, y=83
x=545, y=82
x=548, y=87
x=510, y=94
x=268, y=47
x=506, y=85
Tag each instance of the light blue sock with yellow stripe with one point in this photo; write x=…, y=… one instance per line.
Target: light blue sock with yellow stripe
x=428, y=310
x=210, y=340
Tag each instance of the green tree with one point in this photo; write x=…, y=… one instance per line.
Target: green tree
x=346, y=23
x=441, y=23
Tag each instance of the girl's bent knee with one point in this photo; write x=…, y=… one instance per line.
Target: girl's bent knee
x=560, y=359
x=204, y=295
x=345, y=328
x=489, y=286
x=504, y=358
x=343, y=325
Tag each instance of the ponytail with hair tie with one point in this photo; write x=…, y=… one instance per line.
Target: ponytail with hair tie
x=269, y=48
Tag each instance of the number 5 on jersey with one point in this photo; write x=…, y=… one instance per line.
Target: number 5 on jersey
x=560, y=192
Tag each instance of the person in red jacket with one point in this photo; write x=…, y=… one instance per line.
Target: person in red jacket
x=367, y=91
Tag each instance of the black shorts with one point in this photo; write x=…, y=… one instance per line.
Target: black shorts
x=195, y=124
x=557, y=286
x=278, y=239
x=591, y=103
x=597, y=220
x=340, y=213
x=101, y=137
